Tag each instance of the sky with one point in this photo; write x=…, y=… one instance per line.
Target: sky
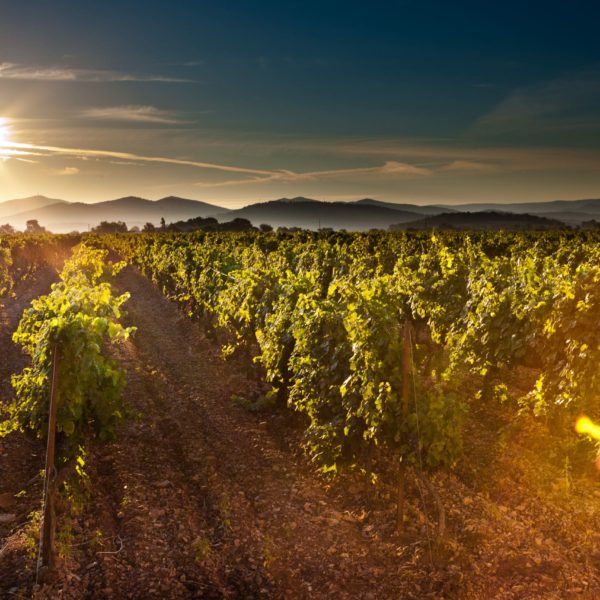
x=237, y=102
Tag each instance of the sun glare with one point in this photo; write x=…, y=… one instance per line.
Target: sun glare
x=587, y=426
x=4, y=131
x=4, y=138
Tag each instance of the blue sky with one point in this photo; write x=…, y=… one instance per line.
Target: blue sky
x=242, y=101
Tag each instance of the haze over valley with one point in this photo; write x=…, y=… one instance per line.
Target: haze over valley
x=61, y=216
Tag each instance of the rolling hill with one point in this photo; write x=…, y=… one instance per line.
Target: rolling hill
x=315, y=214
x=62, y=216
x=569, y=211
x=483, y=221
x=428, y=209
x=11, y=207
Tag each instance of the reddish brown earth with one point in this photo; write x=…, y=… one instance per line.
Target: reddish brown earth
x=202, y=499
x=21, y=457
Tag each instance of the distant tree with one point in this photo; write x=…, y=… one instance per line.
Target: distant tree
x=238, y=224
x=149, y=227
x=110, y=227
x=592, y=224
x=7, y=229
x=134, y=229
x=33, y=226
x=266, y=228
x=163, y=224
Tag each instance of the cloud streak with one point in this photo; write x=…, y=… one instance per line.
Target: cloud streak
x=68, y=74
x=566, y=103
x=133, y=113
x=390, y=167
x=393, y=168
x=129, y=156
x=436, y=155
x=252, y=176
x=438, y=161
x=469, y=165
x=67, y=171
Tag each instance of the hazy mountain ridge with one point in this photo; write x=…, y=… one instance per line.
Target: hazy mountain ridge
x=11, y=207
x=427, y=209
x=483, y=220
x=570, y=212
x=367, y=213
x=63, y=216
x=315, y=214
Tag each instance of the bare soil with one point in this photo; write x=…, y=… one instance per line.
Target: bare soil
x=21, y=457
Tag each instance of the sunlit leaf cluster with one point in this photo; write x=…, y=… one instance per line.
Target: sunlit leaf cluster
x=74, y=322
x=323, y=316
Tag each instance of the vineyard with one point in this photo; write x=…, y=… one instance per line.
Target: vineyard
x=309, y=414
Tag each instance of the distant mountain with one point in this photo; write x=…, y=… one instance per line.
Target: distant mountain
x=315, y=214
x=569, y=217
x=484, y=220
x=308, y=213
x=571, y=211
x=428, y=209
x=10, y=207
x=296, y=200
x=64, y=216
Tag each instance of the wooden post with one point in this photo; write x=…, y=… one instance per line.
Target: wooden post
x=46, y=557
x=406, y=374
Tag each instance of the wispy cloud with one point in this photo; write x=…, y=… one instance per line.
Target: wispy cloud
x=439, y=153
x=63, y=73
x=68, y=171
x=125, y=163
x=135, y=113
x=566, y=103
x=27, y=160
x=7, y=152
x=243, y=182
x=250, y=176
x=468, y=165
x=392, y=168
x=84, y=153
x=386, y=160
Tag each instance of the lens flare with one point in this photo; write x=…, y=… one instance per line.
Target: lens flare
x=587, y=426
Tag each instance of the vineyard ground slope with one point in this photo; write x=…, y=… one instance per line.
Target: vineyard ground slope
x=201, y=499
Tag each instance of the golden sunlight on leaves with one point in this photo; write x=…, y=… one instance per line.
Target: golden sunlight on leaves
x=587, y=426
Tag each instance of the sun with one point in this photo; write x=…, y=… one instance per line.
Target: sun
x=4, y=132
x=5, y=140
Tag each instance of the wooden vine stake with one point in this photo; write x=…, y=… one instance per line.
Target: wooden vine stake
x=406, y=374
x=46, y=556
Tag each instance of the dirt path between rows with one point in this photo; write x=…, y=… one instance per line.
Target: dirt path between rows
x=197, y=500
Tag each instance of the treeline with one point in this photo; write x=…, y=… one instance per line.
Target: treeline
x=194, y=224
